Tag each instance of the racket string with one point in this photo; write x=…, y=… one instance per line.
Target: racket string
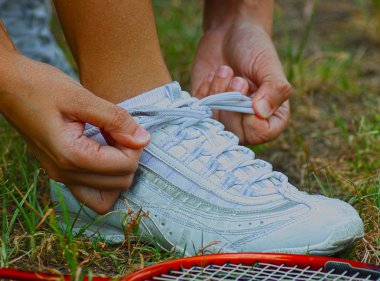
x=257, y=272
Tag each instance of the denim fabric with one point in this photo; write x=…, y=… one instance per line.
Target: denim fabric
x=28, y=24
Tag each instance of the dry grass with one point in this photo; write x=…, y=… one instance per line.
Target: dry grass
x=332, y=144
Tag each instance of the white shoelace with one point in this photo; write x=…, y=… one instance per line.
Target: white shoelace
x=192, y=113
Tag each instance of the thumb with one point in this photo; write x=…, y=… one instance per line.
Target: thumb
x=115, y=121
x=270, y=96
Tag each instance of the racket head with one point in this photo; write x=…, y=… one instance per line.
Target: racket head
x=303, y=264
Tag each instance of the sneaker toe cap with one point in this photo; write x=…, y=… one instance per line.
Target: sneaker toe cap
x=329, y=227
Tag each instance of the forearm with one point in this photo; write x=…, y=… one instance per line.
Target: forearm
x=224, y=13
x=8, y=57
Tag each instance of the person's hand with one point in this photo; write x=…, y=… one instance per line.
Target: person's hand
x=247, y=48
x=50, y=109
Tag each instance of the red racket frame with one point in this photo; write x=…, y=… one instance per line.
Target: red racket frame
x=240, y=258
x=217, y=259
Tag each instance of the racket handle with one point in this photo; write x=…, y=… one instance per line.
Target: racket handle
x=342, y=267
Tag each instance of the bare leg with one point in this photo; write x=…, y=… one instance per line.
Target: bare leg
x=116, y=47
x=115, y=44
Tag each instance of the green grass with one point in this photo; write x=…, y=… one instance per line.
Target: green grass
x=331, y=146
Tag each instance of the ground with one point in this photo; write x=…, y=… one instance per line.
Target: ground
x=331, y=54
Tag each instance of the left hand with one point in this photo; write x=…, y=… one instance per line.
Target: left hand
x=248, y=49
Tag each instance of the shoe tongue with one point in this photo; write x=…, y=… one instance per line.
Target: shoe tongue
x=166, y=95
x=174, y=92
x=162, y=96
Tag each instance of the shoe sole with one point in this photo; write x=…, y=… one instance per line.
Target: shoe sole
x=335, y=243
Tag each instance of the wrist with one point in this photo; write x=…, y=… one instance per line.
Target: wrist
x=227, y=13
x=10, y=82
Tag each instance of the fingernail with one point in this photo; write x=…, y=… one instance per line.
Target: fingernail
x=141, y=135
x=237, y=84
x=210, y=77
x=223, y=72
x=263, y=108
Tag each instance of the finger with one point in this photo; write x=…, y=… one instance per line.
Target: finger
x=100, y=182
x=96, y=181
x=279, y=119
x=100, y=201
x=112, y=119
x=204, y=88
x=232, y=120
x=276, y=124
x=270, y=96
x=86, y=155
x=221, y=80
x=238, y=84
x=262, y=130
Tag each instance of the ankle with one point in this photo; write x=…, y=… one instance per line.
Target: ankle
x=135, y=76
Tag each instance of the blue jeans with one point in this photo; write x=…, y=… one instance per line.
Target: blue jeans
x=28, y=24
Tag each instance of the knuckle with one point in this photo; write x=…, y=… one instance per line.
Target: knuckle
x=213, y=89
x=81, y=101
x=104, y=207
x=76, y=154
x=63, y=163
x=120, y=117
x=285, y=88
x=252, y=139
x=65, y=160
x=54, y=174
x=135, y=166
x=127, y=182
x=133, y=161
x=132, y=167
x=249, y=137
x=268, y=136
x=258, y=139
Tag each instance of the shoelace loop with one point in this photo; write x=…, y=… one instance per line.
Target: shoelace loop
x=190, y=112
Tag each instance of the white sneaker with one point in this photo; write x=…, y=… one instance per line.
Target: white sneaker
x=200, y=188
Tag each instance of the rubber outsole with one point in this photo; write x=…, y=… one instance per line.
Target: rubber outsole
x=334, y=244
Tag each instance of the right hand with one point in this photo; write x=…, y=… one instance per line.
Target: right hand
x=246, y=47
x=50, y=109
